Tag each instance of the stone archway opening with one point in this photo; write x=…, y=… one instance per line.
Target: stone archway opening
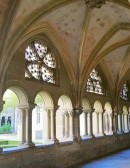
x=107, y=119
x=41, y=118
x=97, y=119
x=11, y=117
x=64, y=119
x=85, y=127
x=125, y=119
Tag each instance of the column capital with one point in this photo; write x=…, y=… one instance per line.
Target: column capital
x=71, y=113
x=56, y=107
x=78, y=110
x=104, y=110
x=115, y=113
x=66, y=113
x=87, y=111
x=31, y=106
x=22, y=107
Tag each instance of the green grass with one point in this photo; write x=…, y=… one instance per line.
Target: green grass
x=8, y=144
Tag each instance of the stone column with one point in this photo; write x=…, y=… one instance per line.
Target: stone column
x=78, y=111
x=29, y=110
x=89, y=121
x=66, y=124
x=101, y=128
x=115, y=122
x=97, y=122
x=85, y=124
x=106, y=123
x=48, y=124
x=63, y=125
x=110, y=123
x=126, y=123
x=22, y=110
x=72, y=136
x=53, y=125
x=1, y=108
x=123, y=122
x=119, y=123
x=129, y=121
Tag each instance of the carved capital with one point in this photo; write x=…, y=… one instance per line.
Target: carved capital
x=65, y=113
x=71, y=113
x=78, y=110
x=31, y=106
x=94, y=3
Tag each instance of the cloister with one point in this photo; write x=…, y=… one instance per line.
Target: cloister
x=64, y=81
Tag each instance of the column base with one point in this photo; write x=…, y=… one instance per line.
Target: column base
x=119, y=132
x=22, y=143
x=101, y=134
x=91, y=135
x=73, y=138
x=77, y=139
x=29, y=144
x=55, y=141
x=126, y=131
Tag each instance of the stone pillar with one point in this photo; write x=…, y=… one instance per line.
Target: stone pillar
x=110, y=123
x=71, y=115
x=63, y=125
x=106, y=123
x=97, y=122
x=29, y=110
x=77, y=111
x=66, y=124
x=1, y=108
x=53, y=125
x=48, y=124
x=126, y=123
x=119, y=123
x=123, y=122
x=101, y=128
x=115, y=124
x=129, y=121
x=85, y=124
x=89, y=121
x=22, y=110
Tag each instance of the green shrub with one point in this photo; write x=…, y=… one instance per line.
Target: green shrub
x=5, y=129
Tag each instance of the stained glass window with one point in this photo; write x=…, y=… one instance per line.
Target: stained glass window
x=94, y=83
x=40, y=62
x=124, y=92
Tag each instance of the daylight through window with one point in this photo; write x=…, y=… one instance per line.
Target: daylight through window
x=40, y=62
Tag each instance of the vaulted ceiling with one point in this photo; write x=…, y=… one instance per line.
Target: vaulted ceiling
x=83, y=36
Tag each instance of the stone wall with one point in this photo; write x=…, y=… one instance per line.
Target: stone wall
x=64, y=155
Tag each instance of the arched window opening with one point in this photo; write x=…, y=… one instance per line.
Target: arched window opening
x=124, y=92
x=41, y=119
x=40, y=62
x=85, y=127
x=64, y=119
x=107, y=120
x=125, y=120
x=9, y=120
x=94, y=83
x=97, y=119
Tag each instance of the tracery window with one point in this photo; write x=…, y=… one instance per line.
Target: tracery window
x=124, y=92
x=94, y=83
x=40, y=62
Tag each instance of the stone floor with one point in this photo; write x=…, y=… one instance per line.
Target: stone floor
x=118, y=160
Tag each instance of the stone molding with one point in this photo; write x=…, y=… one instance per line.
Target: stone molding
x=94, y=3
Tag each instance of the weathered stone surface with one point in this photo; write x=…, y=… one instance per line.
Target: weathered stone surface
x=64, y=155
x=94, y=3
